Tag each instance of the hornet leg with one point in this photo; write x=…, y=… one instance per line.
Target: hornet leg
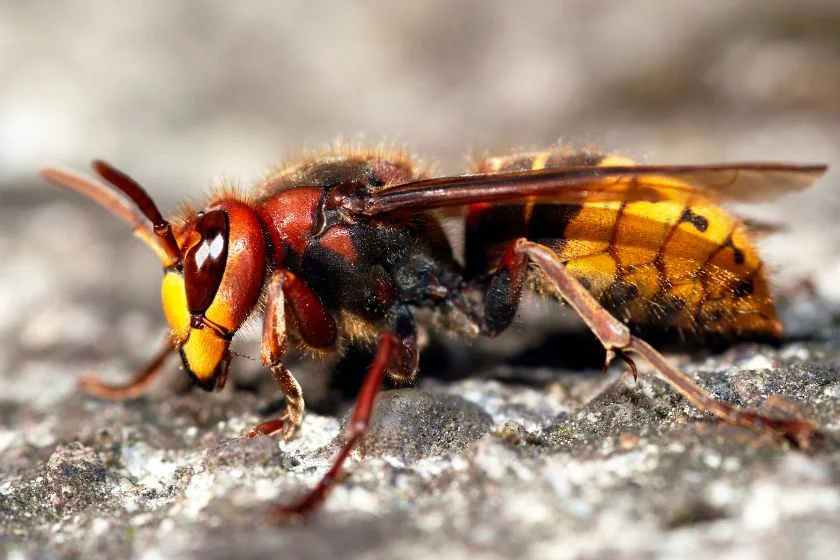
x=502, y=300
x=93, y=386
x=272, y=352
x=396, y=351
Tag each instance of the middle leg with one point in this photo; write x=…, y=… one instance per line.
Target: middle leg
x=396, y=353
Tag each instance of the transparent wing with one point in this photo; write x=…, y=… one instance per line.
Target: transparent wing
x=746, y=182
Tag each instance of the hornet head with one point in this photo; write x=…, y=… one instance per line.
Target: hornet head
x=213, y=265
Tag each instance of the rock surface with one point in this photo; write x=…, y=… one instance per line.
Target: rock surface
x=500, y=469
x=531, y=452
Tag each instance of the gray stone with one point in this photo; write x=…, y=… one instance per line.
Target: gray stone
x=409, y=425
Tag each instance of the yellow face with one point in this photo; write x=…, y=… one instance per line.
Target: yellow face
x=208, y=297
x=203, y=350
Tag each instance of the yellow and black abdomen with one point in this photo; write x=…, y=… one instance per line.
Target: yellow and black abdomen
x=687, y=265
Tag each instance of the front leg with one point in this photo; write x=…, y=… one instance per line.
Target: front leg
x=284, y=287
x=503, y=297
x=95, y=387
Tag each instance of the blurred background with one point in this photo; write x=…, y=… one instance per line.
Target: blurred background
x=181, y=93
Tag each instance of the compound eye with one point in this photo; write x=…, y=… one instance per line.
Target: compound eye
x=204, y=262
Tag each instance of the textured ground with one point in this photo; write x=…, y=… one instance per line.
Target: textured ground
x=518, y=447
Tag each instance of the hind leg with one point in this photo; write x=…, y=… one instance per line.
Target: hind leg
x=502, y=300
